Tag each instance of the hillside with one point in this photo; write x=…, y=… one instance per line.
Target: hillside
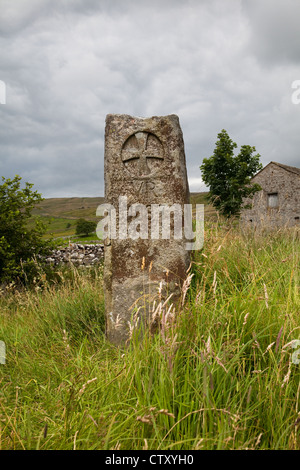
x=62, y=213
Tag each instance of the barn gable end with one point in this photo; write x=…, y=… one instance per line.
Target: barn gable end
x=278, y=203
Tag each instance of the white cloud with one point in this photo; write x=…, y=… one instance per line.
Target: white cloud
x=197, y=185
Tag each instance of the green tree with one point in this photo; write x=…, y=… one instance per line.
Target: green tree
x=22, y=247
x=229, y=177
x=84, y=227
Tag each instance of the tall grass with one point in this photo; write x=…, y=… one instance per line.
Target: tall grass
x=217, y=375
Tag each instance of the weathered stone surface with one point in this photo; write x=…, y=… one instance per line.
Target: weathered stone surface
x=278, y=203
x=144, y=161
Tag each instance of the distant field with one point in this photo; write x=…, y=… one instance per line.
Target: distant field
x=69, y=208
x=61, y=214
x=201, y=198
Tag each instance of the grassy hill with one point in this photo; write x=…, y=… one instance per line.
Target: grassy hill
x=61, y=214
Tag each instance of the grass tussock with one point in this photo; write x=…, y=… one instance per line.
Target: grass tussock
x=219, y=374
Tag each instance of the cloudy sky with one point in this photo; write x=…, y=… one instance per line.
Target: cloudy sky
x=217, y=64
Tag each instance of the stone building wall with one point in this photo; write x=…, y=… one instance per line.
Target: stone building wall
x=278, y=204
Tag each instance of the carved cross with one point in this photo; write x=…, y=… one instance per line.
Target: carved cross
x=142, y=153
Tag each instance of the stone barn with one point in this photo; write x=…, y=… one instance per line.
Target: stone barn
x=278, y=203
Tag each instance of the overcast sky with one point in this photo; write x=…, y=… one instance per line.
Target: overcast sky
x=217, y=64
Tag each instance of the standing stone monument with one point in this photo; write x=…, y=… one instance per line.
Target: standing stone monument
x=144, y=166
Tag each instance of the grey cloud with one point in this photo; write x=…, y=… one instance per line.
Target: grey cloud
x=68, y=64
x=274, y=35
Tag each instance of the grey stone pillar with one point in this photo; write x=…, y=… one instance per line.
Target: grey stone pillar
x=144, y=164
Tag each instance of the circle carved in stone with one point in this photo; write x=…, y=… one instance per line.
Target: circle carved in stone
x=142, y=154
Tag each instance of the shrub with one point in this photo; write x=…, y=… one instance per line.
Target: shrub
x=20, y=246
x=84, y=227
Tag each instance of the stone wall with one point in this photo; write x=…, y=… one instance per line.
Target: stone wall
x=274, y=179
x=77, y=254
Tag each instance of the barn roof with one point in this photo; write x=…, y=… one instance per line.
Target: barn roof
x=291, y=169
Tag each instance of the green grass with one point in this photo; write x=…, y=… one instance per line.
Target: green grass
x=81, y=239
x=218, y=375
x=57, y=226
x=61, y=214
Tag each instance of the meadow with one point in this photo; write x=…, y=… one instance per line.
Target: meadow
x=220, y=373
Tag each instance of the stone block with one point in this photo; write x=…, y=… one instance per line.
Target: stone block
x=144, y=166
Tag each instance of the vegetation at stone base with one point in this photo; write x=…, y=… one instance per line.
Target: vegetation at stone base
x=20, y=245
x=218, y=375
x=229, y=177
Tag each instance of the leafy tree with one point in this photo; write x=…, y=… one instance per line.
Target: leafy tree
x=84, y=227
x=21, y=245
x=229, y=176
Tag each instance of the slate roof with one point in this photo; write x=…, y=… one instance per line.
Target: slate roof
x=291, y=169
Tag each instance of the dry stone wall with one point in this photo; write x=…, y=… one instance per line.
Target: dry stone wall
x=77, y=254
